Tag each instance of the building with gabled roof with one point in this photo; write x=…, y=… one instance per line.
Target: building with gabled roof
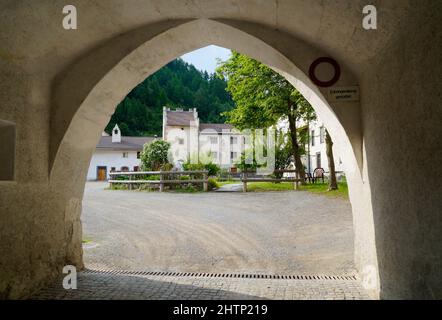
x=190, y=139
x=116, y=153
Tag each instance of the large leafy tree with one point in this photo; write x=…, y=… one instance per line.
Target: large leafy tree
x=262, y=98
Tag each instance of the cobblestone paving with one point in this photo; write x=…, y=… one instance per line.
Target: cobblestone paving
x=104, y=286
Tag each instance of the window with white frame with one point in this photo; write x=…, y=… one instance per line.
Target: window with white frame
x=180, y=141
x=213, y=140
x=312, y=137
x=322, y=135
x=233, y=155
x=125, y=154
x=233, y=140
x=214, y=155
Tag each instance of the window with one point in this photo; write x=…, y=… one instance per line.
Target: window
x=116, y=131
x=313, y=137
x=124, y=169
x=322, y=135
x=180, y=141
x=136, y=168
x=233, y=155
x=125, y=154
x=213, y=140
x=233, y=140
x=112, y=169
x=138, y=155
x=318, y=160
x=214, y=155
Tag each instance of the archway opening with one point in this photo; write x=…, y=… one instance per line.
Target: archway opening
x=88, y=121
x=225, y=230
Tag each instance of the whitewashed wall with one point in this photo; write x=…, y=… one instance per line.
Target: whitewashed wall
x=221, y=150
x=317, y=148
x=321, y=148
x=111, y=159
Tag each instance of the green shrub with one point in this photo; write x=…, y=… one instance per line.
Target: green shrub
x=213, y=168
x=119, y=186
x=167, y=167
x=126, y=177
x=212, y=184
x=147, y=187
x=193, y=166
x=155, y=155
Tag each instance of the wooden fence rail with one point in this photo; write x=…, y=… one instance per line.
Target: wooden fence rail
x=162, y=182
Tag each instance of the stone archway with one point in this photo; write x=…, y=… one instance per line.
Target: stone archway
x=47, y=72
x=86, y=94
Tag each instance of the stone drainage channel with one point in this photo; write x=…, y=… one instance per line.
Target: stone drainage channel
x=120, y=285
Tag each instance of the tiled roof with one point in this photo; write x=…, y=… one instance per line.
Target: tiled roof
x=179, y=118
x=218, y=127
x=127, y=143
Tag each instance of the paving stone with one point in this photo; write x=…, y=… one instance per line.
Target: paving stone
x=117, y=286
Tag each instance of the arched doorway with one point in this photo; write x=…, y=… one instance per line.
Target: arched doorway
x=77, y=121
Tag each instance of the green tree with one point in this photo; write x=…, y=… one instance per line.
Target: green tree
x=262, y=98
x=155, y=155
x=283, y=152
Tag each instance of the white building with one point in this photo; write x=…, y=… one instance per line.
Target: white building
x=116, y=153
x=316, y=156
x=190, y=139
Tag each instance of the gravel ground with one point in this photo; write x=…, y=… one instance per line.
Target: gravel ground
x=270, y=233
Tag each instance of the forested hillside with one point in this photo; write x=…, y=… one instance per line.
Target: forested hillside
x=178, y=84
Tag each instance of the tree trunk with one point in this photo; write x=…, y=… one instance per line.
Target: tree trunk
x=332, y=183
x=295, y=146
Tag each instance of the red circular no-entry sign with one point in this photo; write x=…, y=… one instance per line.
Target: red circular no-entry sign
x=330, y=82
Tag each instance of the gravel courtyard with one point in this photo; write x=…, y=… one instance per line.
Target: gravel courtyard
x=268, y=233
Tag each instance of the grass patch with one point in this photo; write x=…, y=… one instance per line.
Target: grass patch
x=269, y=186
x=321, y=188
x=86, y=241
x=318, y=188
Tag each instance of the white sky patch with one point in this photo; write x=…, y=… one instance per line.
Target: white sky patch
x=205, y=59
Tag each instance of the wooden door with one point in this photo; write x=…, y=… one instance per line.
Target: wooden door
x=101, y=173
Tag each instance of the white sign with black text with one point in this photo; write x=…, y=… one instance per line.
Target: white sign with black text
x=337, y=94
